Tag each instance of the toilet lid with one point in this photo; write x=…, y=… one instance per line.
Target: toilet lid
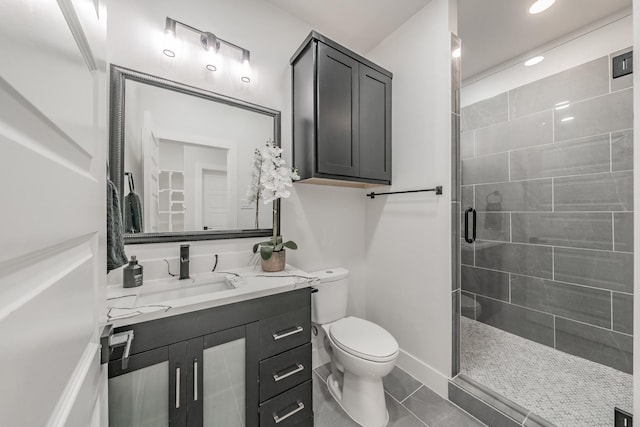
x=364, y=339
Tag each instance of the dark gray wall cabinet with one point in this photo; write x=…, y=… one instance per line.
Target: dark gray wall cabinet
x=341, y=115
x=187, y=367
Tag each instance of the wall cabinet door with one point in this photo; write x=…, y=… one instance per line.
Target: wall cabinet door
x=375, y=124
x=341, y=116
x=338, y=111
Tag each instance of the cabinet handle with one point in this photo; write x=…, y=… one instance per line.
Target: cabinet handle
x=297, y=368
x=177, y=387
x=279, y=335
x=278, y=419
x=195, y=380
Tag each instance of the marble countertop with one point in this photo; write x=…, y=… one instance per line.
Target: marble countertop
x=168, y=297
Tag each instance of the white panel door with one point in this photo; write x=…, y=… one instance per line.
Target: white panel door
x=151, y=168
x=215, y=200
x=52, y=226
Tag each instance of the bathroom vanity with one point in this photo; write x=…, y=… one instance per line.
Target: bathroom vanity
x=232, y=357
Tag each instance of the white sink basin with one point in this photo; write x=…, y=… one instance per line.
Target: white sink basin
x=183, y=289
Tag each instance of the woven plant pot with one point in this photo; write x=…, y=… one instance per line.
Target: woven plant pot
x=275, y=263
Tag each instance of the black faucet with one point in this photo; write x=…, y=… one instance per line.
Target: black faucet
x=184, y=262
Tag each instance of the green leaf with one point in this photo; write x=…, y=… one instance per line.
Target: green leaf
x=255, y=247
x=290, y=244
x=266, y=252
x=278, y=247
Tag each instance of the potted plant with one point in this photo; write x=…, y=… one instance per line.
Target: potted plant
x=271, y=178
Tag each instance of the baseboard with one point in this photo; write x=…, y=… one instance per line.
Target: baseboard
x=424, y=373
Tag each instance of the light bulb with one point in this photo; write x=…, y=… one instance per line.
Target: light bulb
x=245, y=70
x=211, y=45
x=170, y=43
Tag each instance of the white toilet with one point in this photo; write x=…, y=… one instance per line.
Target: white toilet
x=361, y=351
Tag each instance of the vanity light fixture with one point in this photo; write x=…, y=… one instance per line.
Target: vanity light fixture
x=211, y=45
x=533, y=61
x=540, y=6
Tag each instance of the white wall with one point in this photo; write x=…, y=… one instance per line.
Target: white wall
x=636, y=208
x=408, y=236
x=601, y=42
x=326, y=222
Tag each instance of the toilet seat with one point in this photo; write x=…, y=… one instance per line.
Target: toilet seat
x=364, y=339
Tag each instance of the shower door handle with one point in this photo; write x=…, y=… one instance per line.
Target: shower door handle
x=471, y=239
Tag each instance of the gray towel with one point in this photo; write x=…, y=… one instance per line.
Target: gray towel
x=133, y=213
x=115, y=241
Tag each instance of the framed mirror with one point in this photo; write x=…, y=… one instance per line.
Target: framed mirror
x=182, y=159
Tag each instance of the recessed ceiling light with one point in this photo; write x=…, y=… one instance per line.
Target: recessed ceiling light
x=540, y=6
x=533, y=61
x=456, y=53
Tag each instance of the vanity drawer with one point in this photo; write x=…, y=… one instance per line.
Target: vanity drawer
x=286, y=370
x=281, y=333
x=291, y=408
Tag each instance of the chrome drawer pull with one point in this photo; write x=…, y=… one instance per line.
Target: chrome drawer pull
x=299, y=368
x=177, y=388
x=278, y=419
x=278, y=335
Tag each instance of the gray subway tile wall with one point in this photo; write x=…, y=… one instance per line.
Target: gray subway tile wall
x=583, y=156
x=534, y=195
x=588, y=305
x=584, y=82
x=623, y=231
x=578, y=230
x=611, y=192
x=549, y=168
x=622, y=151
x=622, y=312
x=606, y=113
x=524, y=132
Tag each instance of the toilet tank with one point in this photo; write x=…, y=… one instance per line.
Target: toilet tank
x=330, y=302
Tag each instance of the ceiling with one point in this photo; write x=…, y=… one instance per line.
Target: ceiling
x=358, y=24
x=493, y=32
x=496, y=31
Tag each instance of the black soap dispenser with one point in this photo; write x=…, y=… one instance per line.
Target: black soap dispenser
x=132, y=274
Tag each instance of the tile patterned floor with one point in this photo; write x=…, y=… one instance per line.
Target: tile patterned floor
x=409, y=402
x=565, y=390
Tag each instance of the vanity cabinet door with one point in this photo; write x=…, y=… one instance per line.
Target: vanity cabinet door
x=138, y=394
x=225, y=373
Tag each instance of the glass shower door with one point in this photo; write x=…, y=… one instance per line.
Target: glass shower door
x=547, y=283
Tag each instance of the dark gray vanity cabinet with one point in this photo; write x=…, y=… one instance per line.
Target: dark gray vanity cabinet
x=341, y=115
x=243, y=364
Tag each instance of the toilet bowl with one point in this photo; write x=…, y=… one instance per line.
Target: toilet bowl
x=362, y=353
